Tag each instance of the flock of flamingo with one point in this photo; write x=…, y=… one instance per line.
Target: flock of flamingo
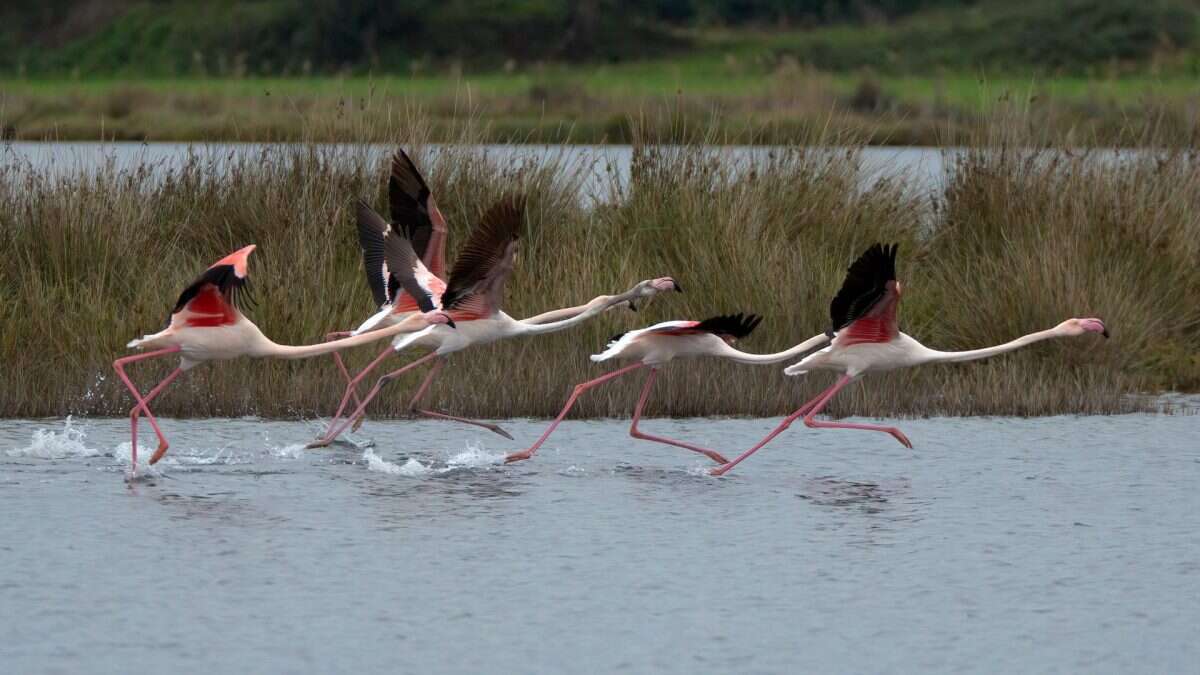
x=421, y=306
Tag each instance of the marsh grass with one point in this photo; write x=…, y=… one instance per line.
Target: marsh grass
x=97, y=257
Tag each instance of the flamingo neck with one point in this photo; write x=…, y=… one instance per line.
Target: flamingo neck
x=561, y=319
x=268, y=348
x=746, y=357
x=935, y=356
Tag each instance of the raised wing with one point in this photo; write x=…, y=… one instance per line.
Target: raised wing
x=371, y=231
x=412, y=275
x=414, y=210
x=476, y=285
x=216, y=297
x=865, y=308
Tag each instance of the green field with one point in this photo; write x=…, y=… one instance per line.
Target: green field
x=596, y=103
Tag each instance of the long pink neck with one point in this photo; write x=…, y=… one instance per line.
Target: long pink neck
x=935, y=356
x=746, y=357
x=274, y=350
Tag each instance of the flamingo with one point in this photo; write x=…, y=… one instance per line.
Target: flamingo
x=659, y=344
x=207, y=324
x=413, y=209
x=867, y=338
x=472, y=298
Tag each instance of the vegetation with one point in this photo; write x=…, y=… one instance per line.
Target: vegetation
x=1020, y=240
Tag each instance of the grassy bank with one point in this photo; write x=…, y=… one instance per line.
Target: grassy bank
x=751, y=101
x=1015, y=245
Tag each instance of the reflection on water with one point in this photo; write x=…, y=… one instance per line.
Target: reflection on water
x=827, y=551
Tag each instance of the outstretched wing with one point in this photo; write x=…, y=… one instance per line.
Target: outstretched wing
x=412, y=275
x=371, y=231
x=414, y=210
x=215, y=298
x=865, y=308
x=732, y=326
x=476, y=285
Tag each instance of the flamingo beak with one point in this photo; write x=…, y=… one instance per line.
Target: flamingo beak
x=450, y=322
x=1105, y=332
x=678, y=287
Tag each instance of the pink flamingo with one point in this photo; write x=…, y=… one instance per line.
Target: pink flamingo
x=654, y=346
x=413, y=210
x=472, y=298
x=867, y=338
x=207, y=324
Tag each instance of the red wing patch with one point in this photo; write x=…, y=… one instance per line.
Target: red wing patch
x=208, y=308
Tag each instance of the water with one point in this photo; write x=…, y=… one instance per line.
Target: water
x=1045, y=545
x=922, y=169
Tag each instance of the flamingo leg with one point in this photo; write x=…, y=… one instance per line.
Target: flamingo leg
x=327, y=438
x=579, y=389
x=637, y=415
x=337, y=426
x=412, y=405
x=787, y=422
x=815, y=424
x=142, y=402
x=341, y=365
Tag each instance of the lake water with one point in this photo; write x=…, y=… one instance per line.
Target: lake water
x=923, y=169
x=1029, y=545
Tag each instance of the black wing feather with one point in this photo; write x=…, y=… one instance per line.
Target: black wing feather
x=402, y=261
x=408, y=196
x=233, y=288
x=371, y=228
x=865, y=285
x=736, y=326
x=480, y=267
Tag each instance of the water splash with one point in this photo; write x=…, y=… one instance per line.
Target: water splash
x=62, y=444
x=474, y=457
x=293, y=451
x=411, y=468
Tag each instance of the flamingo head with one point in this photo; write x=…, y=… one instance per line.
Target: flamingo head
x=662, y=284
x=438, y=317
x=1075, y=327
x=238, y=259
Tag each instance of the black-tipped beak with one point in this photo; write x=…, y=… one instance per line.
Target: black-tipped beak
x=1105, y=332
x=450, y=322
x=632, y=307
x=678, y=288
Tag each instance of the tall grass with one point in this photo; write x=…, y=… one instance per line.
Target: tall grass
x=97, y=257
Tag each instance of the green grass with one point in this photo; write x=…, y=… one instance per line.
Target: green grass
x=595, y=104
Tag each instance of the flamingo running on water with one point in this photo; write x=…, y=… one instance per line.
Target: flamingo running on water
x=654, y=346
x=207, y=324
x=472, y=297
x=867, y=338
x=412, y=209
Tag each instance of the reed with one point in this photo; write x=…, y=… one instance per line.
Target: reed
x=1019, y=241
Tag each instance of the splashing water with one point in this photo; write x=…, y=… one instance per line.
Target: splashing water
x=51, y=444
x=473, y=457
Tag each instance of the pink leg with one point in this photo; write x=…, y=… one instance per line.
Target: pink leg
x=326, y=439
x=637, y=415
x=119, y=366
x=814, y=424
x=336, y=427
x=787, y=422
x=412, y=405
x=579, y=389
x=341, y=365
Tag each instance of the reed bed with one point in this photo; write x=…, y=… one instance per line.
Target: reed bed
x=1024, y=236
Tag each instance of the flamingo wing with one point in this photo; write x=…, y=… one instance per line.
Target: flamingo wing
x=865, y=308
x=476, y=285
x=413, y=209
x=371, y=232
x=216, y=297
x=410, y=273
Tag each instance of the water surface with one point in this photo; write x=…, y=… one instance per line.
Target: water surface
x=1045, y=545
